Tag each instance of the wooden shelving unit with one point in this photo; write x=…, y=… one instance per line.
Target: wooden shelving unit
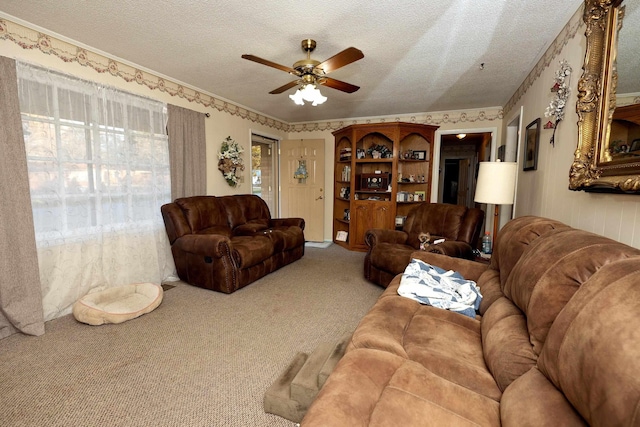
x=371, y=192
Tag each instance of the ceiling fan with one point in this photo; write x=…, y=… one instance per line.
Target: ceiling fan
x=310, y=71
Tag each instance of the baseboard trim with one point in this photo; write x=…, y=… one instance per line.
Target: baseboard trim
x=323, y=245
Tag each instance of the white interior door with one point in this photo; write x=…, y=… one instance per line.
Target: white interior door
x=303, y=198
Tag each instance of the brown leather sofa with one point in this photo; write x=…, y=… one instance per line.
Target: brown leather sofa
x=556, y=342
x=390, y=250
x=225, y=243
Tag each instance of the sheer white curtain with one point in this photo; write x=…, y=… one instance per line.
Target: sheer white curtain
x=98, y=172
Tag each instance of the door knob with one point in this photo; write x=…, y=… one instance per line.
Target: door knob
x=320, y=198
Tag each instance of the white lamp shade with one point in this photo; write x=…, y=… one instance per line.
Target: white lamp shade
x=496, y=183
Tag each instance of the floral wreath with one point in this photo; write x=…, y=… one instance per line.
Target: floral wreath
x=230, y=162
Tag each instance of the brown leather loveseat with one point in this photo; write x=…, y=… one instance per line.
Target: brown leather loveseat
x=390, y=250
x=556, y=343
x=225, y=243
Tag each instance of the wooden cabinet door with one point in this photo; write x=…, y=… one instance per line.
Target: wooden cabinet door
x=367, y=215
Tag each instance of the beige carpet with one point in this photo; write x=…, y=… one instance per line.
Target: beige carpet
x=200, y=359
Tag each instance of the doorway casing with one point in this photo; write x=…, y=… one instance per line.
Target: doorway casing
x=437, y=158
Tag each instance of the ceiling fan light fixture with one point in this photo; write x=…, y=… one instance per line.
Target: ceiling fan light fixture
x=309, y=93
x=297, y=97
x=312, y=73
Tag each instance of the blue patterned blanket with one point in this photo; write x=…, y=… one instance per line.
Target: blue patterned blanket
x=434, y=286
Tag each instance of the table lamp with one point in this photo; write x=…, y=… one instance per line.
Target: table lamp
x=496, y=185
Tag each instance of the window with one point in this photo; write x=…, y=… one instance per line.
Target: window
x=97, y=157
x=98, y=164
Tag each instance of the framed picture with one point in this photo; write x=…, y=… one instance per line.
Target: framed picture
x=420, y=155
x=531, y=142
x=341, y=236
x=419, y=196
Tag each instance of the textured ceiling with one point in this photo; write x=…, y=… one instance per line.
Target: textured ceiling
x=420, y=56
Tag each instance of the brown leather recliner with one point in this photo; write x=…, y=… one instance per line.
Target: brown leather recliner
x=225, y=243
x=390, y=250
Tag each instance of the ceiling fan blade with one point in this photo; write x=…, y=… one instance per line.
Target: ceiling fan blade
x=270, y=64
x=347, y=56
x=284, y=87
x=337, y=84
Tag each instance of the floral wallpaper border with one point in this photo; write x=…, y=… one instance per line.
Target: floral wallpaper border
x=624, y=100
x=437, y=118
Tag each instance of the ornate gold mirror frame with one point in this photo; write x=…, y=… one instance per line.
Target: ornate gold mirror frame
x=596, y=167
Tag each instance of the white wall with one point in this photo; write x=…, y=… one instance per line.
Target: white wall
x=545, y=192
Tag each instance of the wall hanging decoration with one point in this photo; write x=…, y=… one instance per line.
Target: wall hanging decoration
x=531, y=143
x=301, y=173
x=561, y=90
x=230, y=162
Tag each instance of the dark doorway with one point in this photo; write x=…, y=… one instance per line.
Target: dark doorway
x=459, y=158
x=451, y=173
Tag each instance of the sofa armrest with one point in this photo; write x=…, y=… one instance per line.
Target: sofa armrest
x=213, y=245
x=174, y=221
x=470, y=270
x=379, y=235
x=453, y=248
x=287, y=222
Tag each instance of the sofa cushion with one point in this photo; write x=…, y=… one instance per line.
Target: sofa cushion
x=448, y=344
x=439, y=219
x=489, y=284
x=250, y=250
x=505, y=342
x=245, y=208
x=250, y=228
x=515, y=238
x=550, y=272
x=221, y=230
x=592, y=353
x=532, y=400
x=393, y=391
x=383, y=327
x=392, y=256
x=285, y=238
x=203, y=212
